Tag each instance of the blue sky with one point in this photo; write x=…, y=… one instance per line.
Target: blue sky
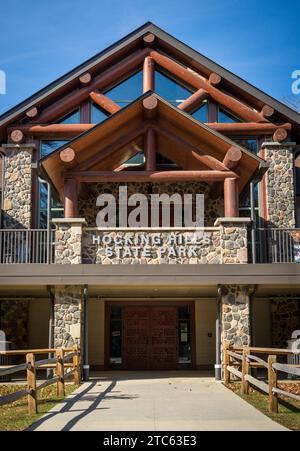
x=42, y=40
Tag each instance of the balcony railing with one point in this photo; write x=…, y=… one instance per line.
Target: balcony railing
x=19, y=246
x=277, y=245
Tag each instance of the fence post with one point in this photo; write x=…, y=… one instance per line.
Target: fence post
x=272, y=382
x=76, y=366
x=31, y=384
x=60, y=372
x=226, y=361
x=245, y=371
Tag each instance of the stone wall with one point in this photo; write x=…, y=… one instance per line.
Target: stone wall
x=285, y=318
x=280, y=185
x=68, y=241
x=17, y=205
x=213, y=208
x=234, y=241
x=14, y=321
x=67, y=315
x=169, y=247
x=235, y=314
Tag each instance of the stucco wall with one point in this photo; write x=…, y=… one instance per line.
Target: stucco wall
x=38, y=323
x=205, y=324
x=96, y=312
x=261, y=324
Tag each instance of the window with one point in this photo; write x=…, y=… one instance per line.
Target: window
x=71, y=118
x=201, y=114
x=248, y=143
x=225, y=116
x=170, y=90
x=97, y=114
x=184, y=335
x=128, y=90
x=115, y=356
x=136, y=160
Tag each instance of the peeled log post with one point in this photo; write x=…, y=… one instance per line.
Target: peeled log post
x=214, y=79
x=280, y=135
x=232, y=157
x=231, y=209
x=194, y=100
x=17, y=136
x=33, y=112
x=68, y=157
x=247, y=128
x=85, y=79
x=150, y=105
x=70, y=198
x=104, y=102
x=150, y=149
x=190, y=77
x=148, y=74
x=149, y=39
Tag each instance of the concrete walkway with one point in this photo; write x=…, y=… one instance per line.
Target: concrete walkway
x=157, y=401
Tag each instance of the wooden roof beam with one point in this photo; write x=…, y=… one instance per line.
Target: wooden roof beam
x=147, y=176
x=32, y=112
x=150, y=107
x=68, y=157
x=104, y=102
x=195, y=80
x=149, y=39
x=85, y=79
x=148, y=74
x=233, y=157
x=194, y=100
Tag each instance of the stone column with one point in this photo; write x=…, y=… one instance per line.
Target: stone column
x=17, y=203
x=68, y=240
x=235, y=314
x=279, y=179
x=233, y=239
x=68, y=315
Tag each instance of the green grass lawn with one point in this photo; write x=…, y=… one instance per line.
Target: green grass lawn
x=289, y=410
x=14, y=416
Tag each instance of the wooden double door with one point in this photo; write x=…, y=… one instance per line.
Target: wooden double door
x=150, y=338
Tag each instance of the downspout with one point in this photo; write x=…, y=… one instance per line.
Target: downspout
x=51, y=328
x=218, y=364
x=2, y=157
x=86, y=366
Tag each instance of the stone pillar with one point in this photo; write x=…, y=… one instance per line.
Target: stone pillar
x=68, y=315
x=285, y=318
x=279, y=179
x=17, y=204
x=233, y=239
x=235, y=314
x=68, y=240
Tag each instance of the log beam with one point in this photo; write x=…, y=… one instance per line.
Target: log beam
x=17, y=136
x=267, y=111
x=148, y=74
x=244, y=128
x=195, y=80
x=104, y=102
x=68, y=157
x=147, y=176
x=71, y=198
x=100, y=82
x=32, y=112
x=280, y=134
x=150, y=107
x=232, y=157
x=85, y=79
x=231, y=209
x=194, y=100
x=150, y=149
x=149, y=39
x=214, y=79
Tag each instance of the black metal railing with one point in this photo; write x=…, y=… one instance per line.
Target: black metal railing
x=21, y=246
x=274, y=245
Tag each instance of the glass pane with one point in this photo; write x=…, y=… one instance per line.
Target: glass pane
x=160, y=159
x=115, y=341
x=184, y=348
x=170, y=90
x=47, y=147
x=71, y=118
x=184, y=312
x=136, y=159
x=97, y=114
x=127, y=91
x=116, y=312
x=43, y=196
x=249, y=143
x=201, y=113
x=225, y=116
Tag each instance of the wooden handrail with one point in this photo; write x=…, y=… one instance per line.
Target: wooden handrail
x=243, y=371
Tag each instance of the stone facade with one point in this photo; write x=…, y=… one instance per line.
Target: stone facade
x=285, y=318
x=213, y=208
x=67, y=315
x=14, y=321
x=17, y=204
x=234, y=241
x=280, y=184
x=235, y=314
x=68, y=241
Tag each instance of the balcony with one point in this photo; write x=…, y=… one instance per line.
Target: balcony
x=226, y=243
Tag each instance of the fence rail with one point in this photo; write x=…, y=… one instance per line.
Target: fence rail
x=33, y=246
x=277, y=245
x=240, y=361
x=63, y=372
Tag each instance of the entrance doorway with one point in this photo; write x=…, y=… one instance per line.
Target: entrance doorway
x=150, y=337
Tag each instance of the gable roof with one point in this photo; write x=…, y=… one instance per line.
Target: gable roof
x=173, y=128
x=165, y=42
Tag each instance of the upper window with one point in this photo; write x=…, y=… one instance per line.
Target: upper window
x=71, y=118
x=128, y=90
x=97, y=114
x=249, y=143
x=225, y=116
x=201, y=114
x=170, y=90
x=137, y=159
x=47, y=147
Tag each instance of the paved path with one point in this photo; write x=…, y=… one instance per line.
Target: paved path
x=124, y=401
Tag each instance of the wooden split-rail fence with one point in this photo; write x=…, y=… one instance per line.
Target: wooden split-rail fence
x=239, y=362
x=65, y=364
